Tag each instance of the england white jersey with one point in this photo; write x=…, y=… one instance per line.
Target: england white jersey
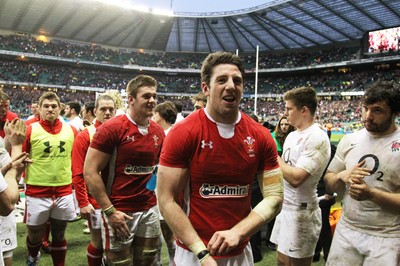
x=382, y=155
x=309, y=150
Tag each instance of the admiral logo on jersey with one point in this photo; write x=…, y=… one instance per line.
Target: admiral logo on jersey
x=138, y=170
x=223, y=191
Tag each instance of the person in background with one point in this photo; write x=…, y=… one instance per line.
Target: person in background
x=306, y=154
x=34, y=110
x=365, y=170
x=165, y=115
x=104, y=110
x=72, y=111
x=119, y=101
x=87, y=113
x=326, y=201
x=118, y=165
x=179, y=108
x=35, y=117
x=282, y=130
x=210, y=159
x=49, y=180
x=5, y=113
x=329, y=129
x=199, y=101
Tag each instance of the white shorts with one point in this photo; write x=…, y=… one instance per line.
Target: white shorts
x=350, y=247
x=184, y=257
x=39, y=210
x=95, y=219
x=296, y=232
x=8, y=232
x=144, y=224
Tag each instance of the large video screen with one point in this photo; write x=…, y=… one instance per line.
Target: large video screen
x=384, y=40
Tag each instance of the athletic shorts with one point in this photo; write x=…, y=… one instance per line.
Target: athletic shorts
x=296, y=232
x=8, y=232
x=39, y=210
x=350, y=247
x=95, y=219
x=184, y=257
x=144, y=224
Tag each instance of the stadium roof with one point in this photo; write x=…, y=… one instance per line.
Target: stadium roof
x=273, y=25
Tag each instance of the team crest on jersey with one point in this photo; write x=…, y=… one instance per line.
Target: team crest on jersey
x=155, y=138
x=223, y=191
x=395, y=146
x=206, y=144
x=249, y=141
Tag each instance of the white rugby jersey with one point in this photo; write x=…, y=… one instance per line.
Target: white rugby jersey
x=382, y=155
x=309, y=150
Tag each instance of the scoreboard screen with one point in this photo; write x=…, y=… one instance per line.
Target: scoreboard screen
x=384, y=40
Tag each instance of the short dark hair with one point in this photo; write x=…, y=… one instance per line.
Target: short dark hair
x=218, y=58
x=49, y=95
x=382, y=90
x=75, y=105
x=139, y=81
x=167, y=111
x=303, y=96
x=89, y=106
x=178, y=106
x=104, y=97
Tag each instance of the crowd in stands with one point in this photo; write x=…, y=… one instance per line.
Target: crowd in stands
x=271, y=85
x=124, y=56
x=23, y=97
x=337, y=112
x=112, y=79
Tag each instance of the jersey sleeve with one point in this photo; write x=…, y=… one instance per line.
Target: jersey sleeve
x=176, y=148
x=315, y=154
x=79, y=150
x=269, y=153
x=338, y=162
x=106, y=137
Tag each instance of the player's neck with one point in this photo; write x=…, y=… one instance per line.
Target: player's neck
x=143, y=121
x=304, y=125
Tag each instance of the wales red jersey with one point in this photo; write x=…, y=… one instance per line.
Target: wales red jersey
x=10, y=117
x=79, y=150
x=134, y=155
x=222, y=168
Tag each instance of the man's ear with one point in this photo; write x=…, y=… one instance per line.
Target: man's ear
x=205, y=89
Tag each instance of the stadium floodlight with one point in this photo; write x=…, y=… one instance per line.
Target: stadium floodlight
x=141, y=8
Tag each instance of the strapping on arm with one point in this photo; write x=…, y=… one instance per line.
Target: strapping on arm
x=271, y=185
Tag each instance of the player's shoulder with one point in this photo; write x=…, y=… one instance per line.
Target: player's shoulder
x=191, y=123
x=156, y=127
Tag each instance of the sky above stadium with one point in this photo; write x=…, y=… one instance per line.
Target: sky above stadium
x=205, y=5
x=192, y=7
